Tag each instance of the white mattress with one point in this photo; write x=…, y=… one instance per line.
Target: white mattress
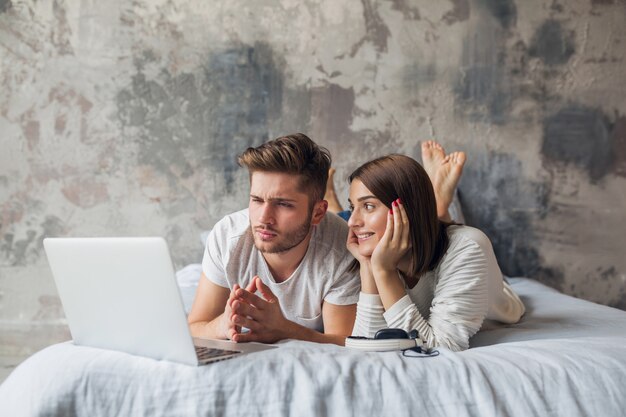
x=567, y=357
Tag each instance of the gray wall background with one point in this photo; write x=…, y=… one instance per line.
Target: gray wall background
x=124, y=118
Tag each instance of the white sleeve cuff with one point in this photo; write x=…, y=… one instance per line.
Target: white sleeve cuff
x=370, y=300
x=369, y=315
x=398, y=308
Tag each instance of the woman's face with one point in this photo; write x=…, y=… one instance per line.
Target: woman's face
x=368, y=219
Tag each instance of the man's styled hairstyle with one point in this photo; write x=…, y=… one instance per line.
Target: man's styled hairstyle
x=292, y=154
x=398, y=176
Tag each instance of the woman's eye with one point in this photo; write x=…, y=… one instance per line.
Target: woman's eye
x=368, y=206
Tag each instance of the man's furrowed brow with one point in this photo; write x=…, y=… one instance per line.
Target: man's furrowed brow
x=281, y=199
x=273, y=198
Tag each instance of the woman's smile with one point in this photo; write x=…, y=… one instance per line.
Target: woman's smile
x=368, y=219
x=363, y=236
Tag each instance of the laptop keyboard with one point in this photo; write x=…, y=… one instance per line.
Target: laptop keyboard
x=205, y=353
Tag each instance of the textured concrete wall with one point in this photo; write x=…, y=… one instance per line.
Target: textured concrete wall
x=124, y=118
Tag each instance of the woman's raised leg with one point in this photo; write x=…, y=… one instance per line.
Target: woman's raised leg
x=445, y=172
x=334, y=205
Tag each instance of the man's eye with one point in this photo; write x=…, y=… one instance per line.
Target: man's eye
x=283, y=204
x=351, y=208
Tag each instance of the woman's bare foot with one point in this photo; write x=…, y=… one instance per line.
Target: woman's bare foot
x=331, y=196
x=432, y=157
x=446, y=178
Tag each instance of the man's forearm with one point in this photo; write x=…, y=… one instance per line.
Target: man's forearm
x=299, y=332
x=208, y=329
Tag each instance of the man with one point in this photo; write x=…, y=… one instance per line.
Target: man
x=283, y=247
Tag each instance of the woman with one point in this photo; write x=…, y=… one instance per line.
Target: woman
x=419, y=271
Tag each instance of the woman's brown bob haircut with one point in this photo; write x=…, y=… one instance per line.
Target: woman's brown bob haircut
x=398, y=176
x=292, y=154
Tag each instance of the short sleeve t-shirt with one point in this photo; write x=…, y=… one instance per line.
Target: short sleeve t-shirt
x=230, y=258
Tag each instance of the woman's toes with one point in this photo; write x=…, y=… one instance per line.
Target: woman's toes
x=458, y=158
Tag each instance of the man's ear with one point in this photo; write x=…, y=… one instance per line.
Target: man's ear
x=319, y=210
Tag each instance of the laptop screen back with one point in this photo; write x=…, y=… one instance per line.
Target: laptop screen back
x=121, y=294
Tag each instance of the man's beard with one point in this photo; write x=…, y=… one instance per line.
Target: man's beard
x=289, y=240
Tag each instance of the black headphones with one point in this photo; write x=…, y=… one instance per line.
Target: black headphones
x=414, y=352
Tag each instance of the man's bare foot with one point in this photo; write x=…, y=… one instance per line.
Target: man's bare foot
x=432, y=157
x=446, y=178
x=331, y=196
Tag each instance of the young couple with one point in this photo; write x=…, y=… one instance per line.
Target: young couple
x=284, y=269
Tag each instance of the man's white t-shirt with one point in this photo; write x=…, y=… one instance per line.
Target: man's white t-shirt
x=230, y=257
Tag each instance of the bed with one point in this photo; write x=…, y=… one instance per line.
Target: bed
x=566, y=357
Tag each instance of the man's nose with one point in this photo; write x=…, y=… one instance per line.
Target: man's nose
x=267, y=214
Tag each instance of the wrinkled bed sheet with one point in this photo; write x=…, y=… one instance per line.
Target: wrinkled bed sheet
x=567, y=357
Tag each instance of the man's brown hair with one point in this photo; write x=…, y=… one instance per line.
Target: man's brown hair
x=292, y=154
x=399, y=176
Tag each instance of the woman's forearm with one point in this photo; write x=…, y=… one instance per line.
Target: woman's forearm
x=368, y=285
x=390, y=286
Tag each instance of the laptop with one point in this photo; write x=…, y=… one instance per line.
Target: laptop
x=121, y=294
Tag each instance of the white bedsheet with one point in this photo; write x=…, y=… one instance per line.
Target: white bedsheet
x=567, y=357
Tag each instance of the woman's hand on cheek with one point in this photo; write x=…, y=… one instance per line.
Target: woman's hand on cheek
x=368, y=285
x=395, y=241
x=353, y=246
